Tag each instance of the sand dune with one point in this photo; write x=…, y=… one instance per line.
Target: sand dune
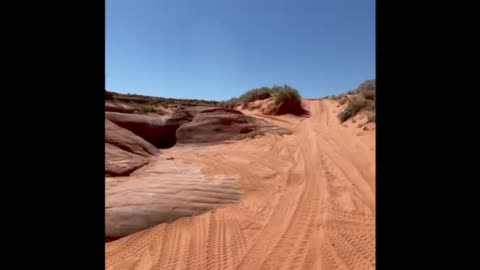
x=308, y=203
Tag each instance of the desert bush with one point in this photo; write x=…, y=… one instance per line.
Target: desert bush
x=338, y=97
x=370, y=105
x=146, y=108
x=342, y=101
x=371, y=118
x=280, y=93
x=256, y=94
x=367, y=89
x=287, y=93
x=354, y=106
x=231, y=103
x=154, y=102
x=343, y=116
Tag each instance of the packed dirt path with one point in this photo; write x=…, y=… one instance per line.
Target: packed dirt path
x=308, y=203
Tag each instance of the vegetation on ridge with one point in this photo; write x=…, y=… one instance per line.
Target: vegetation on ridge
x=280, y=94
x=362, y=99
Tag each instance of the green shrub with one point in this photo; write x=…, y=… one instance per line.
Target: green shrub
x=287, y=93
x=354, y=106
x=256, y=94
x=153, y=102
x=343, y=116
x=146, y=108
x=342, y=101
x=370, y=105
x=280, y=93
x=231, y=103
x=371, y=118
x=367, y=89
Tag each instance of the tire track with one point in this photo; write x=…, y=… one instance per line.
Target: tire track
x=308, y=205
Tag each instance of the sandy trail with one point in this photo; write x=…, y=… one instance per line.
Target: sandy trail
x=309, y=203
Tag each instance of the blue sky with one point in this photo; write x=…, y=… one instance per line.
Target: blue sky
x=218, y=49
